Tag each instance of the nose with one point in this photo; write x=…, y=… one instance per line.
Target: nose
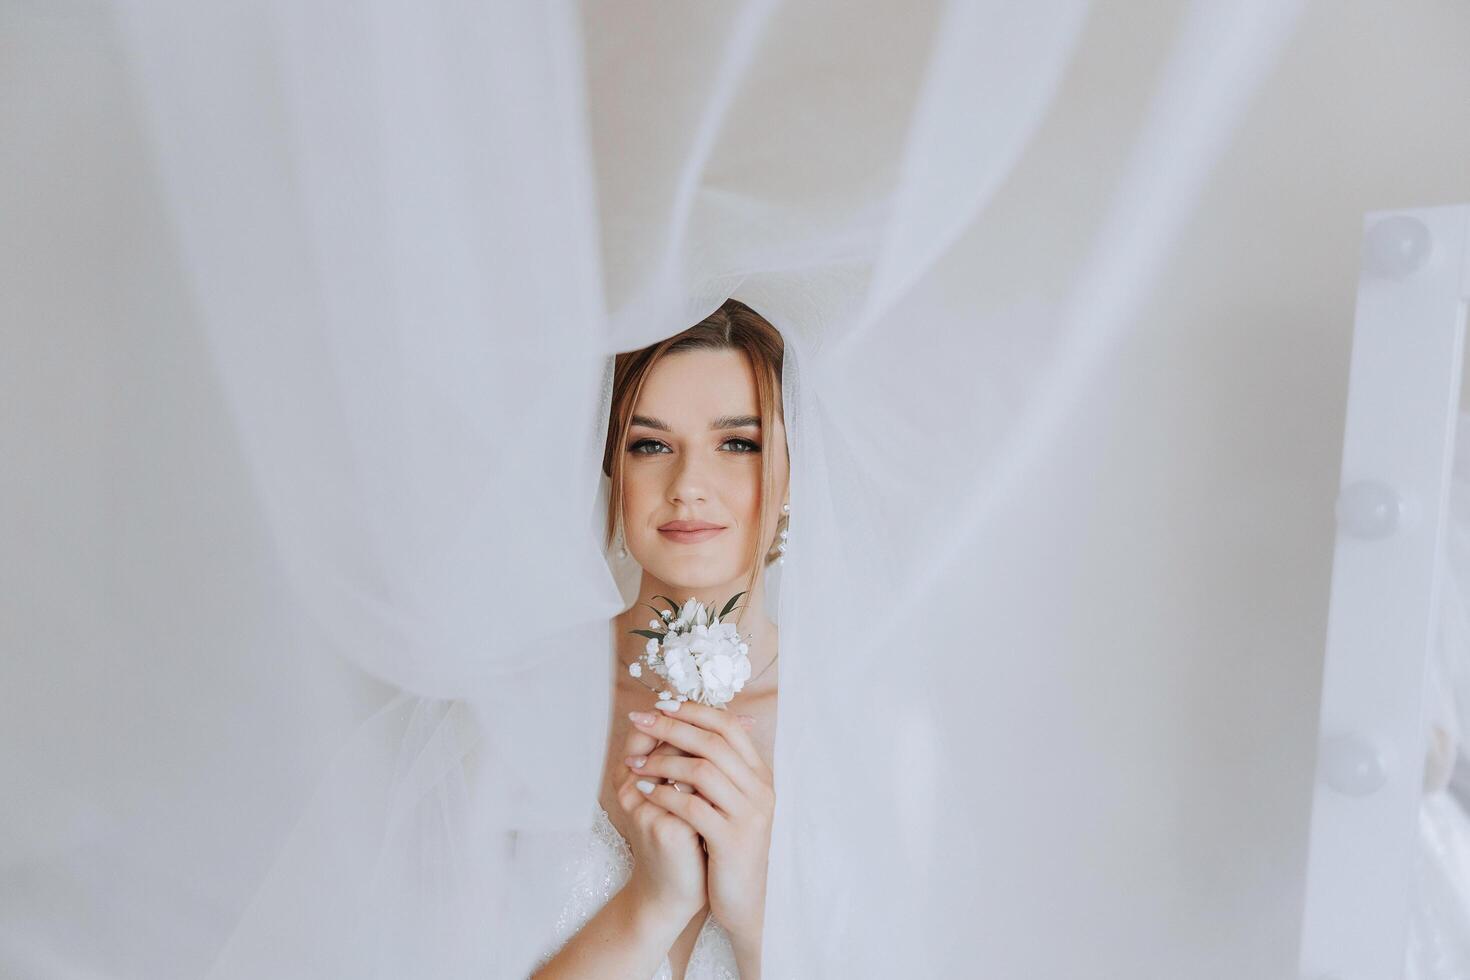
x=687, y=482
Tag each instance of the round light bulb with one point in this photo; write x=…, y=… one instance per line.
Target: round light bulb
x=1369, y=509
x=1355, y=766
x=1395, y=247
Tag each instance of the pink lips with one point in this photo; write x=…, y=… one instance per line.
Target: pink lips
x=688, y=532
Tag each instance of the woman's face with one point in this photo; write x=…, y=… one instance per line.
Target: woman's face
x=693, y=453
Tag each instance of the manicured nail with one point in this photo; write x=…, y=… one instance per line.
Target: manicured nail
x=636, y=761
x=640, y=717
x=668, y=705
x=645, y=786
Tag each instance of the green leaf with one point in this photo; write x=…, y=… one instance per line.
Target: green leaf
x=648, y=633
x=731, y=604
x=671, y=602
x=657, y=613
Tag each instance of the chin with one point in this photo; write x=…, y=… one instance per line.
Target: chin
x=694, y=573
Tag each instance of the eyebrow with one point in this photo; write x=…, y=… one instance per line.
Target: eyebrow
x=723, y=422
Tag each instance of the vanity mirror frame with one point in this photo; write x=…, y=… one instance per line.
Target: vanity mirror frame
x=1403, y=402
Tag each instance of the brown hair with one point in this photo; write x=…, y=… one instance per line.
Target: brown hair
x=734, y=326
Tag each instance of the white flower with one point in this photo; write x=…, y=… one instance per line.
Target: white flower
x=680, y=667
x=654, y=624
x=723, y=668
x=722, y=676
x=701, y=642
x=666, y=695
x=636, y=669
x=665, y=614
x=690, y=610
x=651, y=647
x=712, y=639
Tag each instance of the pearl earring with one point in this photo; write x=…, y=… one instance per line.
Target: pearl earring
x=622, y=550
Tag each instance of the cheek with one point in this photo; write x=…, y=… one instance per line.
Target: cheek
x=750, y=499
x=639, y=498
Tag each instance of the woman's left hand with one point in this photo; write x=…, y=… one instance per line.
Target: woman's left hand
x=733, y=810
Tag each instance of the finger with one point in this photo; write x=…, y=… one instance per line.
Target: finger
x=643, y=811
x=646, y=744
x=664, y=750
x=638, y=742
x=700, y=773
x=659, y=750
x=695, y=811
x=720, y=721
x=644, y=739
x=701, y=742
x=633, y=803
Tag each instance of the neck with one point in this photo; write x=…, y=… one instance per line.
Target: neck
x=749, y=617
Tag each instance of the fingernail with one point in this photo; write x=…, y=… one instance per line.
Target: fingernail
x=645, y=786
x=668, y=705
x=636, y=761
x=640, y=717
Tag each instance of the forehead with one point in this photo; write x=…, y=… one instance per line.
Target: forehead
x=699, y=385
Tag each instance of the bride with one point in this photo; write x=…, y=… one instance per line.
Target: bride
x=674, y=880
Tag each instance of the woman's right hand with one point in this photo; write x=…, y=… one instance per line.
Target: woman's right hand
x=669, y=859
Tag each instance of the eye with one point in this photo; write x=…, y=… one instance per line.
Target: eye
x=652, y=447
x=752, y=447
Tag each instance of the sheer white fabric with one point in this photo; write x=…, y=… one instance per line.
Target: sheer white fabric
x=313, y=681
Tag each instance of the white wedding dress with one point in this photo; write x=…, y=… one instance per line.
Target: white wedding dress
x=604, y=868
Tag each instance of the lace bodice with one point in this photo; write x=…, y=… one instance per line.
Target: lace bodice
x=605, y=867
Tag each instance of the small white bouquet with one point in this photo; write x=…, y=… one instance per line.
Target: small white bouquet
x=702, y=658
